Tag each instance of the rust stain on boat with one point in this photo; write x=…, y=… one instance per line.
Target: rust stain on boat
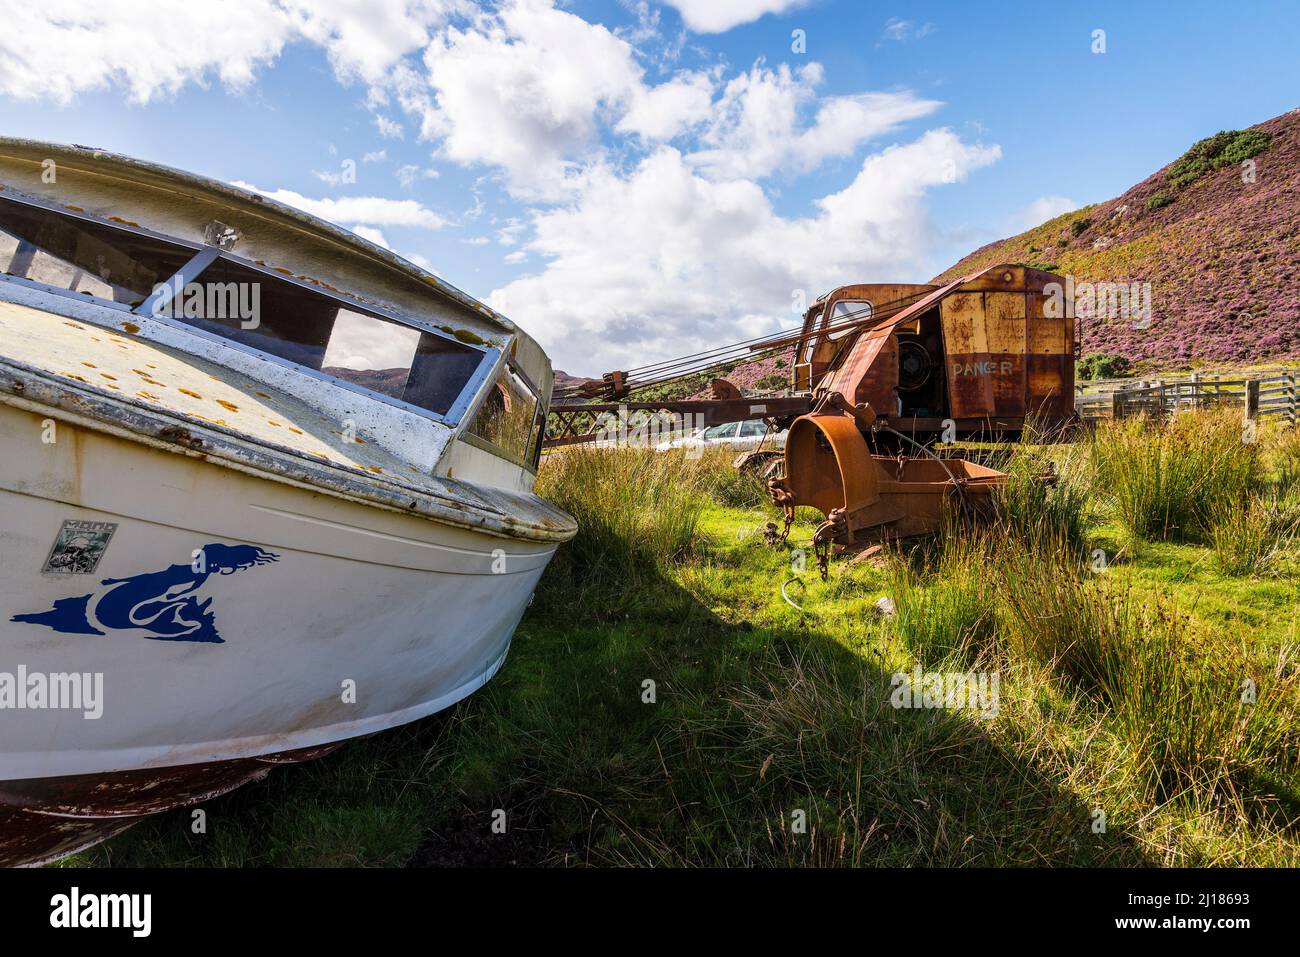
x=44, y=818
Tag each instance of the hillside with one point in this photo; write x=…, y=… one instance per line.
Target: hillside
x=1222, y=255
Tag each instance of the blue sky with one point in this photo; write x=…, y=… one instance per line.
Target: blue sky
x=637, y=179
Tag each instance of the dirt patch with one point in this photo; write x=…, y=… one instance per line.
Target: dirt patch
x=467, y=840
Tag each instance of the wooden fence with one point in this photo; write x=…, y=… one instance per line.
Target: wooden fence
x=1273, y=396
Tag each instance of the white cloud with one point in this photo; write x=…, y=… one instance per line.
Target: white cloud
x=640, y=248
x=364, y=38
x=520, y=89
x=372, y=234
x=899, y=29
x=664, y=261
x=55, y=49
x=373, y=211
x=331, y=177
x=388, y=129
x=408, y=173
x=757, y=125
x=662, y=112
x=508, y=92
x=423, y=263
x=719, y=16
x=1043, y=209
x=509, y=234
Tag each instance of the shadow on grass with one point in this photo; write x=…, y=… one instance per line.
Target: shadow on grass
x=752, y=731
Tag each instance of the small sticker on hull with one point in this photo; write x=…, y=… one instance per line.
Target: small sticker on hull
x=78, y=547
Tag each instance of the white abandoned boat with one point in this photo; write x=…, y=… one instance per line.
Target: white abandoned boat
x=264, y=487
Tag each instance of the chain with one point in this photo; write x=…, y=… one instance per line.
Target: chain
x=835, y=526
x=782, y=495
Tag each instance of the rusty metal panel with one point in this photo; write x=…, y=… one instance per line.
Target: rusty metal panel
x=879, y=294
x=828, y=465
x=1002, y=278
x=1004, y=314
x=877, y=383
x=1005, y=321
x=857, y=366
x=1050, y=385
x=1050, y=336
x=965, y=341
x=992, y=326
x=962, y=315
x=42, y=819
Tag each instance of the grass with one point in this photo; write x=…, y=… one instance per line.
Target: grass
x=663, y=705
x=1163, y=481
x=1250, y=534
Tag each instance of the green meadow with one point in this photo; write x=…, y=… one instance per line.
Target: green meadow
x=665, y=704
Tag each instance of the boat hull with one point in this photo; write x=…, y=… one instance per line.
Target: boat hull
x=228, y=618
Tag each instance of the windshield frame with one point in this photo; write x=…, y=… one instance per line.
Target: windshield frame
x=205, y=256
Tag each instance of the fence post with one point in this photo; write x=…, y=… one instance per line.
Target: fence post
x=1250, y=410
x=1116, y=405
x=1290, y=398
x=1196, y=390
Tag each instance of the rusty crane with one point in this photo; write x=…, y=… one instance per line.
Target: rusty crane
x=879, y=371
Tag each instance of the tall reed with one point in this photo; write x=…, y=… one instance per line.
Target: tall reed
x=637, y=511
x=1162, y=479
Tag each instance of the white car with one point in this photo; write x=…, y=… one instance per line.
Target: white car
x=731, y=435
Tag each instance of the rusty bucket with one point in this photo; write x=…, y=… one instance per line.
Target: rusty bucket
x=866, y=497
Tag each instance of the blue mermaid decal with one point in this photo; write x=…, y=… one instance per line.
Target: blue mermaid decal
x=163, y=603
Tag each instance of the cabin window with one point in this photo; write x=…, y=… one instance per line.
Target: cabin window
x=327, y=335
x=247, y=306
x=848, y=310
x=66, y=252
x=508, y=417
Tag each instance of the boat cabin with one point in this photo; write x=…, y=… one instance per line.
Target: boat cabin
x=388, y=352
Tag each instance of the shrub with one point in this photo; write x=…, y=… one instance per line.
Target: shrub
x=1224, y=148
x=1050, y=616
x=1079, y=225
x=1160, y=200
x=727, y=485
x=1246, y=144
x=1282, y=450
x=1102, y=366
x=1184, y=713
